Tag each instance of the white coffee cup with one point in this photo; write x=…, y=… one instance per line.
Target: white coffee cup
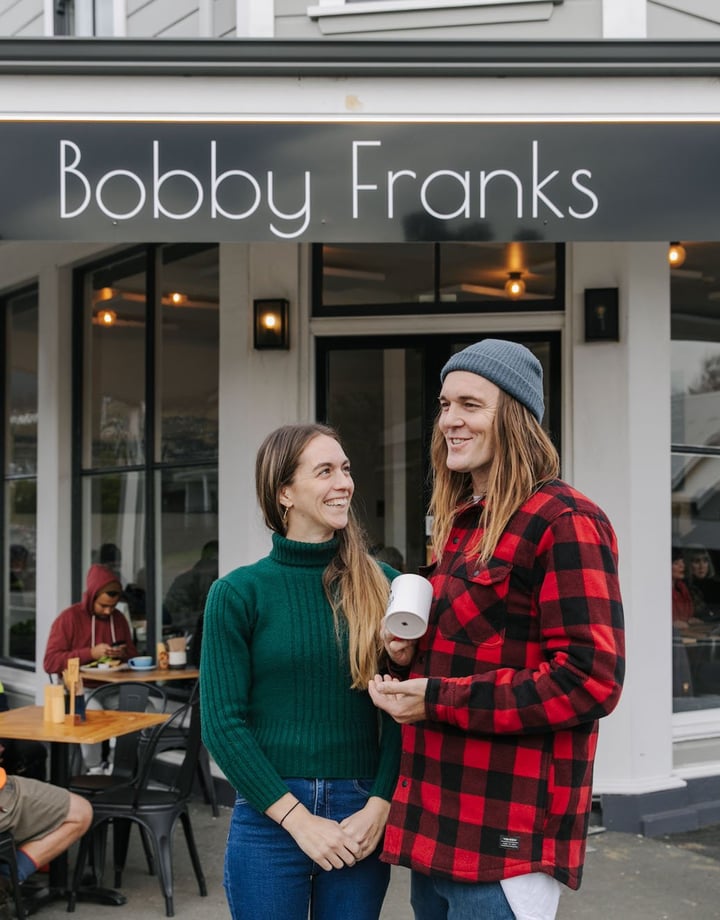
x=408, y=608
x=177, y=659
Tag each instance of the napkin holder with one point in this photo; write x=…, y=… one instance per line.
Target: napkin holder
x=75, y=707
x=54, y=704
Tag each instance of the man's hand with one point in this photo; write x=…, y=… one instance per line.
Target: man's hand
x=404, y=700
x=400, y=651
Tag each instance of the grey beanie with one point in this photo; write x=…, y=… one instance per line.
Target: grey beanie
x=510, y=366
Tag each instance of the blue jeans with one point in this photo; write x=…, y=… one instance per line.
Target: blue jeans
x=268, y=877
x=443, y=899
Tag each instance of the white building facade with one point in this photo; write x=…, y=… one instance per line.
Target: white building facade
x=177, y=168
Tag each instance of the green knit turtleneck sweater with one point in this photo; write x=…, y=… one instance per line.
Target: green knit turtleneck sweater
x=275, y=682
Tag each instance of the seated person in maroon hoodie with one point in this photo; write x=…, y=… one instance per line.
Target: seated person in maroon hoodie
x=91, y=629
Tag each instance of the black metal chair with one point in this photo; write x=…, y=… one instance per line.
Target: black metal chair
x=155, y=810
x=127, y=696
x=175, y=740
x=9, y=856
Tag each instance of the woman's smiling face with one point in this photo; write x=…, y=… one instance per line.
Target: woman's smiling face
x=318, y=498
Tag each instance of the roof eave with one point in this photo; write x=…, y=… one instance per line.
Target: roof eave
x=344, y=58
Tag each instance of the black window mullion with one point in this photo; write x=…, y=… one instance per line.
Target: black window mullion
x=150, y=459
x=78, y=351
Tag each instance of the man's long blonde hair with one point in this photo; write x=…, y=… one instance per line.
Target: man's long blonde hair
x=524, y=459
x=354, y=583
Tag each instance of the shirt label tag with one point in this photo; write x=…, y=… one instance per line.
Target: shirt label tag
x=509, y=843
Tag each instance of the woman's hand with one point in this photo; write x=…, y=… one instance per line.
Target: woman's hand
x=400, y=651
x=324, y=841
x=404, y=700
x=367, y=826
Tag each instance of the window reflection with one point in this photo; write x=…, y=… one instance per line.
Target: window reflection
x=695, y=627
x=21, y=499
x=424, y=276
x=115, y=363
x=21, y=363
x=189, y=530
x=22, y=396
x=115, y=536
x=375, y=402
x=695, y=469
x=188, y=402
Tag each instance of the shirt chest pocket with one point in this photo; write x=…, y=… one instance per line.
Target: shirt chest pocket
x=473, y=608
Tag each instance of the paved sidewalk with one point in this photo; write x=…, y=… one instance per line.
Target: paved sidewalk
x=626, y=876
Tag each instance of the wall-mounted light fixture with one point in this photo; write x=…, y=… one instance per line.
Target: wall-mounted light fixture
x=676, y=255
x=602, y=315
x=514, y=286
x=271, y=328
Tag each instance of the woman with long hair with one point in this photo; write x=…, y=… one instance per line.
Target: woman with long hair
x=290, y=645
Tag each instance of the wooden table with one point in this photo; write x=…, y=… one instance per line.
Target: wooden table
x=27, y=723
x=154, y=675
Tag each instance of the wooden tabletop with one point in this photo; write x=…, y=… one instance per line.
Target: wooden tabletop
x=27, y=723
x=115, y=675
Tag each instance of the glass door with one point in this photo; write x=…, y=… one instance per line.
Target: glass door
x=381, y=393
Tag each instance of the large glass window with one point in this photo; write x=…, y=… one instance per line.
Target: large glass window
x=20, y=473
x=148, y=400
x=695, y=407
x=370, y=278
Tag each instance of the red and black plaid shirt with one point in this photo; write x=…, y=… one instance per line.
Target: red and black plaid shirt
x=524, y=654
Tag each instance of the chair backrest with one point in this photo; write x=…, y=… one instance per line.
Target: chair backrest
x=128, y=696
x=187, y=718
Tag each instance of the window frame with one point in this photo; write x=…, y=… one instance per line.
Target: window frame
x=349, y=16
x=350, y=7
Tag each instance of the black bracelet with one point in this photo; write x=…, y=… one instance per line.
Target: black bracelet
x=292, y=808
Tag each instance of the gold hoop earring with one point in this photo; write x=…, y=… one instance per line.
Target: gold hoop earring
x=286, y=509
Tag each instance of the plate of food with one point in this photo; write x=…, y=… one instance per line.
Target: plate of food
x=105, y=664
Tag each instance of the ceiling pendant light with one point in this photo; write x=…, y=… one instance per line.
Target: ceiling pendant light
x=514, y=286
x=107, y=317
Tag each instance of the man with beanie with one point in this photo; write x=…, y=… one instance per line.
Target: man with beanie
x=524, y=652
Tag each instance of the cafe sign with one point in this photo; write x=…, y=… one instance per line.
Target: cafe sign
x=348, y=182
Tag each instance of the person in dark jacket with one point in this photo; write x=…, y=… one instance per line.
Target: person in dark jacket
x=524, y=652
x=186, y=596
x=703, y=583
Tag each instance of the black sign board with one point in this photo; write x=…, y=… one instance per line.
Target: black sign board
x=348, y=182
